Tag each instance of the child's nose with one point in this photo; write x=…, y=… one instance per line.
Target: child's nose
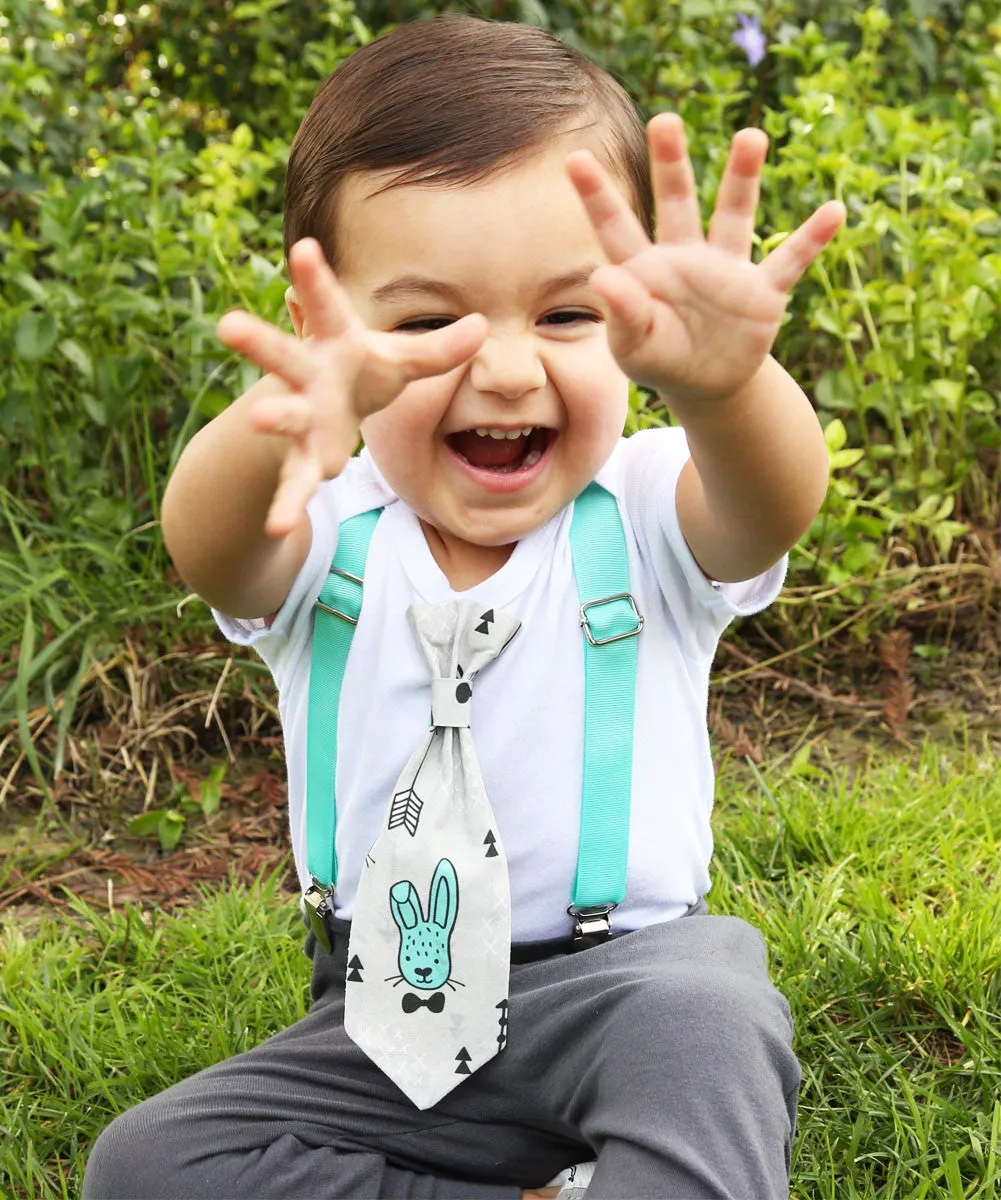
x=509, y=366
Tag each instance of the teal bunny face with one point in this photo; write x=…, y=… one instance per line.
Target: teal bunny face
x=425, y=959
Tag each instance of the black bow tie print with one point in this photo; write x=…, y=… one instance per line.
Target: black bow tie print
x=412, y=1003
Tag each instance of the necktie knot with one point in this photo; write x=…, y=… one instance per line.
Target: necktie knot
x=450, y=703
x=459, y=637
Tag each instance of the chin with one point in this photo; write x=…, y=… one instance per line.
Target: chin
x=497, y=527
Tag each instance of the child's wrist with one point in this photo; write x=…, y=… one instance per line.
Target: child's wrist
x=699, y=408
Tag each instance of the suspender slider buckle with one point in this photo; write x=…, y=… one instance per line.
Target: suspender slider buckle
x=318, y=908
x=592, y=925
x=611, y=625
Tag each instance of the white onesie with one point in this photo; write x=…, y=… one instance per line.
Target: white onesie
x=529, y=713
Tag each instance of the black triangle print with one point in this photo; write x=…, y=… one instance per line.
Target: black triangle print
x=486, y=618
x=464, y=1057
x=355, y=966
x=488, y=841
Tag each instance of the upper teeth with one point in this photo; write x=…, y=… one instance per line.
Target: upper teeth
x=510, y=433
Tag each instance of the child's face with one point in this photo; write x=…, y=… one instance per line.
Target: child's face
x=545, y=366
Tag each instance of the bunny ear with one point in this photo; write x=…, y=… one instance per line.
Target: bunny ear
x=443, y=901
x=405, y=905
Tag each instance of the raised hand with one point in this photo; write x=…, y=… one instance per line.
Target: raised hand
x=693, y=317
x=339, y=374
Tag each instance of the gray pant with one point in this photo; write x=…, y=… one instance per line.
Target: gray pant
x=665, y=1053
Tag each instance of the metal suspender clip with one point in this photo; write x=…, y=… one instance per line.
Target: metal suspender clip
x=615, y=637
x=336, y=612
x=318, y=909
x=592, y=925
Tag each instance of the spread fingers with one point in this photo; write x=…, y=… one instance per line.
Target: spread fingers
x=301, y=475
x=732, y=224
x=324, y=302
x=617, y=226
x=673, y=181
x=287, y=416
x=789, y=260
x=268, y=347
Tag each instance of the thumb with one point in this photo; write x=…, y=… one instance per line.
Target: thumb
x=630, y=307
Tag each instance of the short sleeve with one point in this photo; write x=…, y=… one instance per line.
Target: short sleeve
x=652, y=463
x=291, y=622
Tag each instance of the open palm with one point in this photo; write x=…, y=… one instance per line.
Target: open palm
x=691, y=316
x=330, y=381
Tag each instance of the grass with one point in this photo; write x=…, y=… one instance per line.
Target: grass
x=877, y=894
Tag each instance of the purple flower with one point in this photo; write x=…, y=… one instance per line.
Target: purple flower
x=750, y=38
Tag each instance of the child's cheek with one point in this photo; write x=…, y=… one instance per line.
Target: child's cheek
x=400, y=437
x=600, y=414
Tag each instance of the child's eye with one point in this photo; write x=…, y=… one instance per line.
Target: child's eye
x=426, y=324
x=567, y=317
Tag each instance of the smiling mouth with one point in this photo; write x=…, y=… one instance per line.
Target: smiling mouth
x=502, y=451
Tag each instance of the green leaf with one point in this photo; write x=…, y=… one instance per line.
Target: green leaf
x=845, y=458
x=211, y=794
x=31, y=286
x=94, y=408
x=36, y=335
x=79, y=357
x=800, y=765
x=170, y=828
x=146, y=823
x=835, y=435
x=833, y=390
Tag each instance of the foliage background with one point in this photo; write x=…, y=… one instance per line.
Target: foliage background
x=142, y=152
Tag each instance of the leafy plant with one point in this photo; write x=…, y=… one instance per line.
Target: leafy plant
x=142, y=155
x=168, y=823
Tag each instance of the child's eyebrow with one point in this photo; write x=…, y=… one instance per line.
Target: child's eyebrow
x=408, y=286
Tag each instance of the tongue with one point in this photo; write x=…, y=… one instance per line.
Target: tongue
x=488, y=451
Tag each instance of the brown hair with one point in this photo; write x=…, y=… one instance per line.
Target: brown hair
x=452, y=99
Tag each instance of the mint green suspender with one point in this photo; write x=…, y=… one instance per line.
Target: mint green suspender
x=610, y=622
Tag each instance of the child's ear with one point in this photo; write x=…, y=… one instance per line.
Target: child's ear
x=295, y=311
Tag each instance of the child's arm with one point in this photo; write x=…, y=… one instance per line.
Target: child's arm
x=695, y=320
x=757, y=476
x=234, y=512
x=215, y=508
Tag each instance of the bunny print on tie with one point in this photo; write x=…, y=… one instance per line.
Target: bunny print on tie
x=424, y=956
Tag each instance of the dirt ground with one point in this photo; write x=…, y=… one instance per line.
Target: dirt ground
x=147, y=737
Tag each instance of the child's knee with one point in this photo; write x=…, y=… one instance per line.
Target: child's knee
x=132, y=1157
x=708, y=1012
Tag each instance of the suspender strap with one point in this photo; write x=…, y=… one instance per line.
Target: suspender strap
x=334, y=620
x=610, y=622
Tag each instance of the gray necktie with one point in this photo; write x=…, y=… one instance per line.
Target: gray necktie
x=429, y=951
